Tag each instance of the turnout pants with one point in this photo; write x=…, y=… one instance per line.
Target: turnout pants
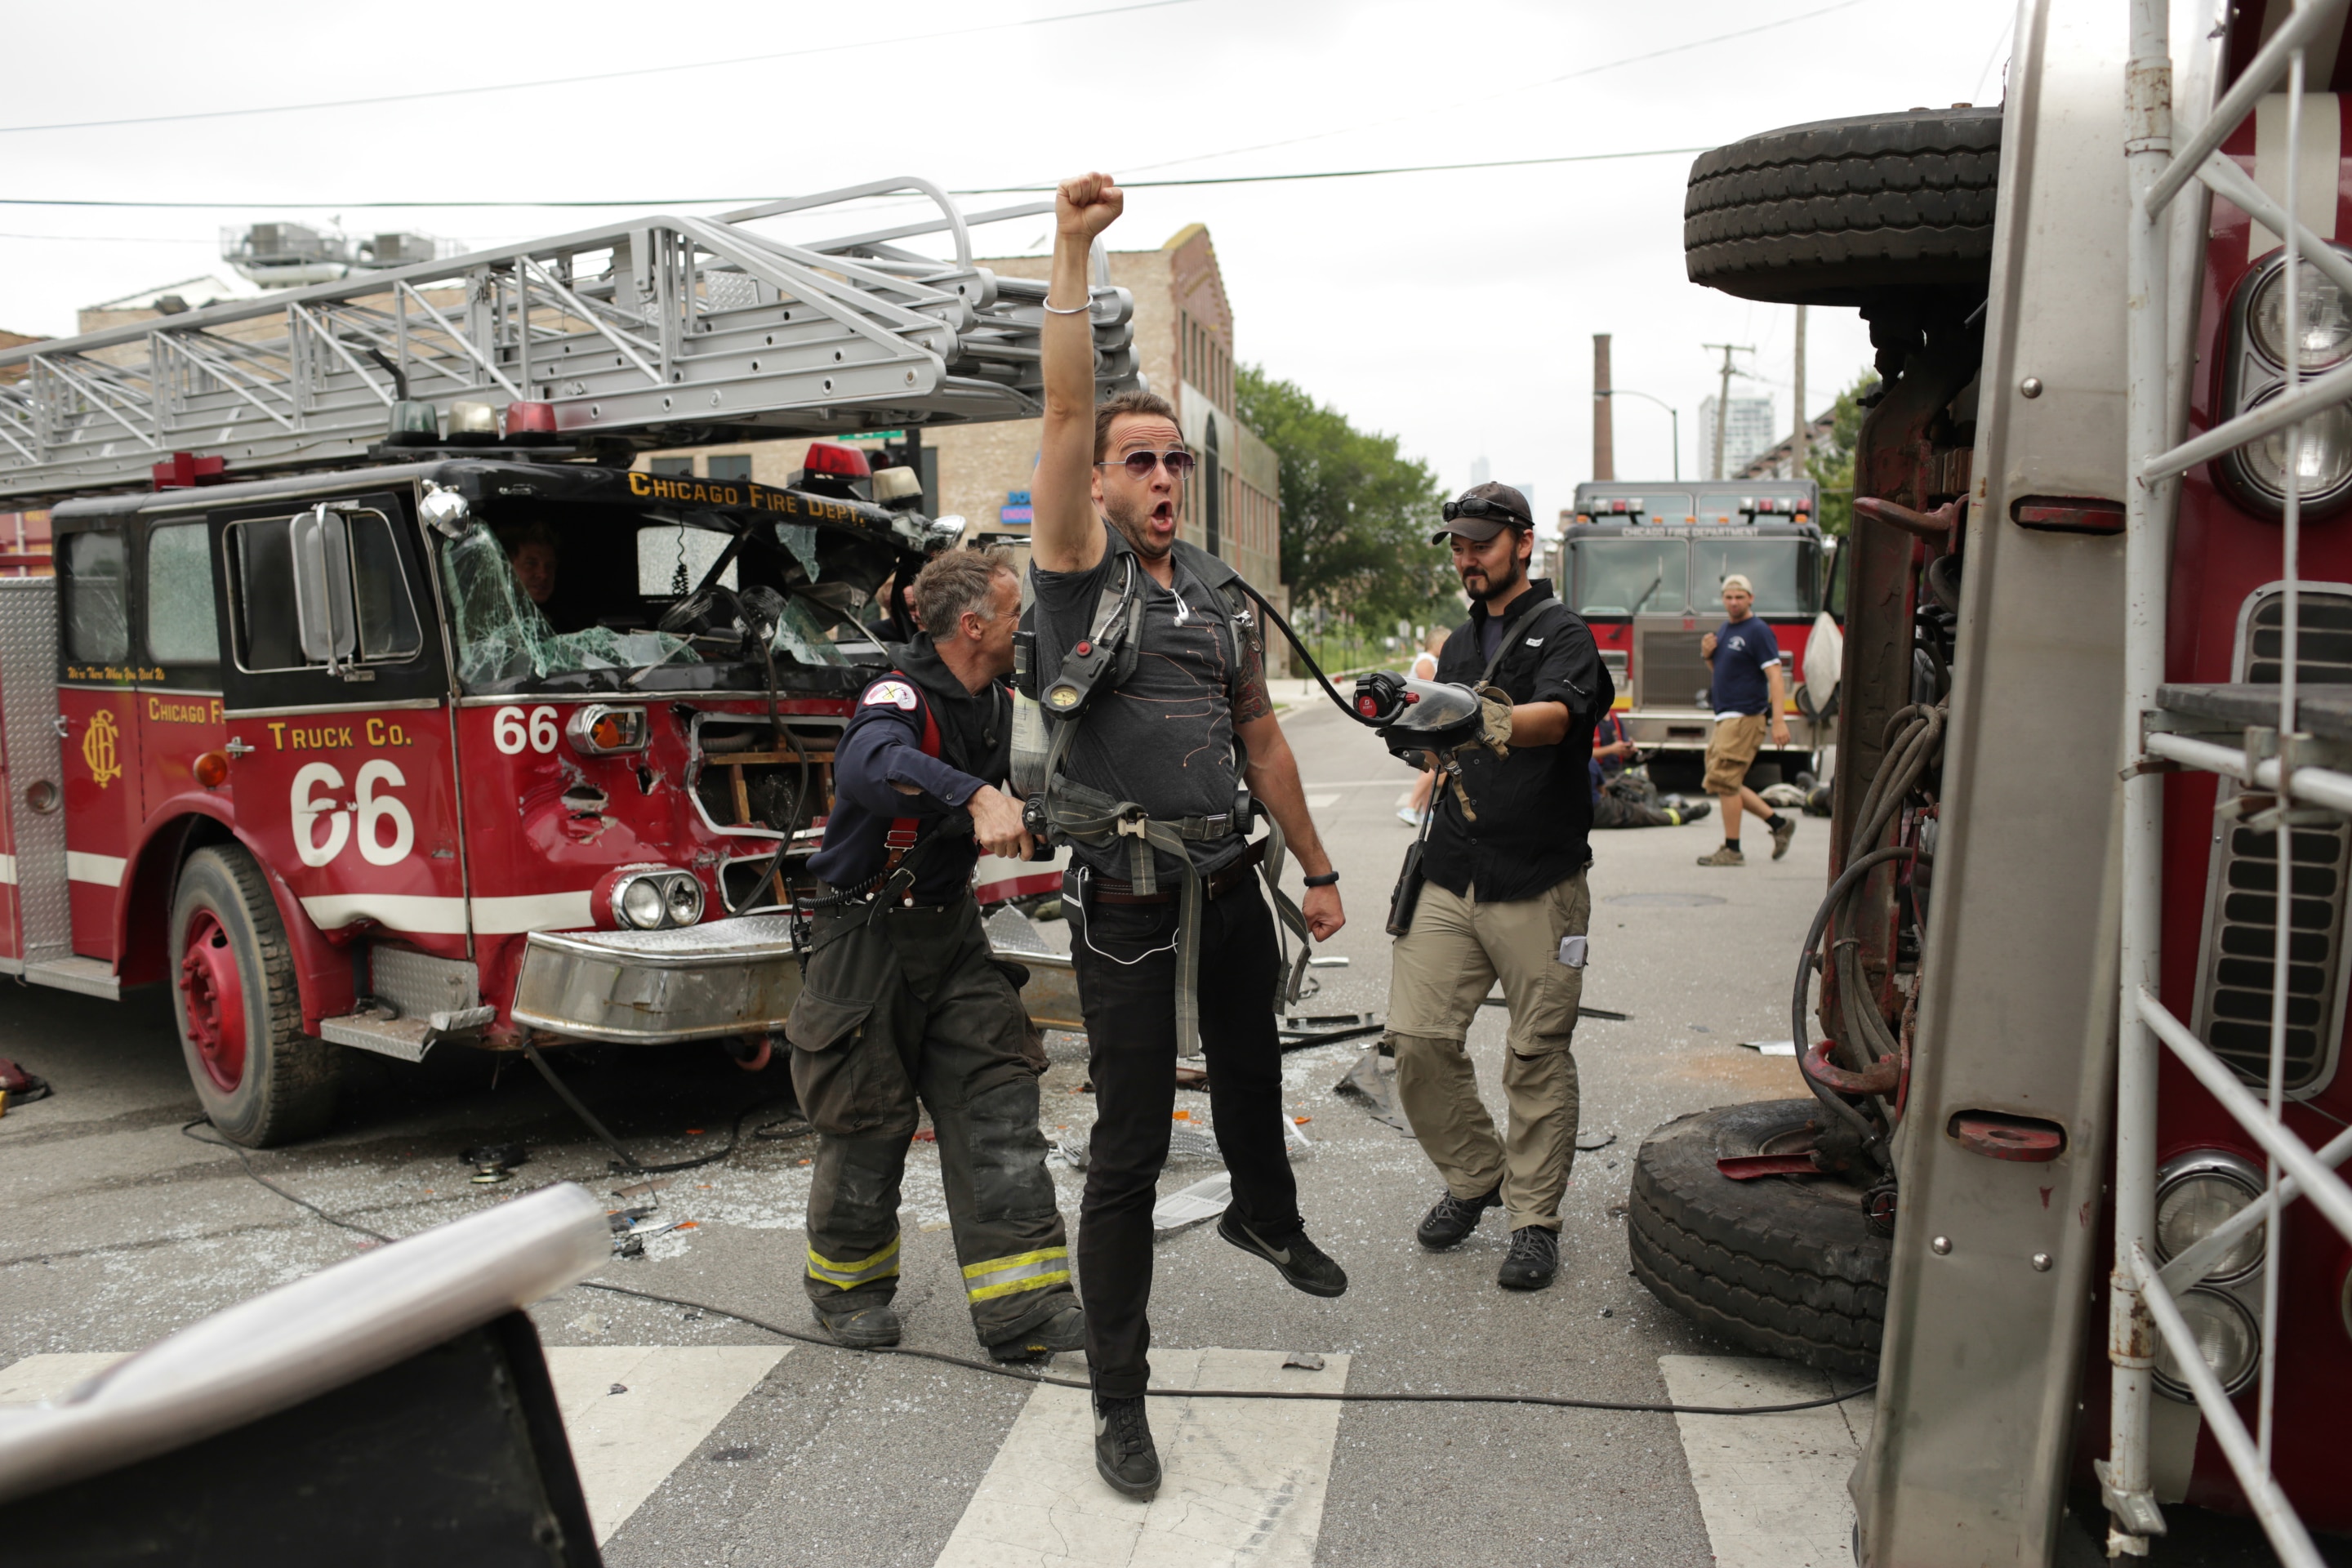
x=1442, y=969
x=1629, y=801
x=1125, y=955
x=912, y=1005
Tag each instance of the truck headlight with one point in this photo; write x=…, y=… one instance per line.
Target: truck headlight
x=656, y=899
x=2195, y=1192
x=2226, y=1338
x=2325, y=334
x=2322, y=466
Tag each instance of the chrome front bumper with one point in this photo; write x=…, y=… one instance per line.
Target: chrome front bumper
x=736, y=976
x=1688, y=729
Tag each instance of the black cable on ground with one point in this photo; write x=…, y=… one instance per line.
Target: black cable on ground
x=588, y=1119
x=1562, y=1402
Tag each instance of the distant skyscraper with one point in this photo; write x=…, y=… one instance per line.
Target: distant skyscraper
x=1748, y=429
x=1480, y=472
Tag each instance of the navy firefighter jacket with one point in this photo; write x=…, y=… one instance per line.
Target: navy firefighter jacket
x=882, y=746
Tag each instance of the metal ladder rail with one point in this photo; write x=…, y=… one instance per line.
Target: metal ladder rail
x=2160, y=316
x=689, y=322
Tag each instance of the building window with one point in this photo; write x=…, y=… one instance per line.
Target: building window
x=736, y=467
x=671, y=468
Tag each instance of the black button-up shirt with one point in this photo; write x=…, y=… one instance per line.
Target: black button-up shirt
x=1535, y=806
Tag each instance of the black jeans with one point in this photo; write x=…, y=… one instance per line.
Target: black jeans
x=1125, y=955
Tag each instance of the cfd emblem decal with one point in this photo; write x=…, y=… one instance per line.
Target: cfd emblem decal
x=896, y=692
x=99, y=751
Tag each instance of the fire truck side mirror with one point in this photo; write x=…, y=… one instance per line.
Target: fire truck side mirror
x=322, y=586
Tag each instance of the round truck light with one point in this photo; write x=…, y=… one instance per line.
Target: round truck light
x=2323, y=465
x=683, y=900
x=639, y=903
x=2226, y=1338
x=2193, y=1204
x=2324, y=336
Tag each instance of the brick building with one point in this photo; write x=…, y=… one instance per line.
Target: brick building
x=1184, y=342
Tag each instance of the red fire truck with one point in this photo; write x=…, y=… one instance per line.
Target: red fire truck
x=1643, y=564
x=2063, y=1172
x=302, y=747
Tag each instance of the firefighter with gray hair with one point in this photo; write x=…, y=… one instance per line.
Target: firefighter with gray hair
x=902, y=1001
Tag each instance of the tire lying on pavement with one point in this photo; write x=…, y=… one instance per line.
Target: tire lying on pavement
x=1840, y=212
x=1784, y=1265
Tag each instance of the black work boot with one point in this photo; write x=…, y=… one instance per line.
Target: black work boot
x=1533, y=1261
x=1124, y=1454
x=861, y=1328
x=1064, y=1328
x=1299, y=1260
x=1454, y=1218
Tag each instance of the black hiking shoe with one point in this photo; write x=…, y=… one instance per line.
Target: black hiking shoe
x=859, y=1328
x=1124, y=1455
x=1066, y=1330
x=1534, y=1259
x=1299, y=1260
x=1454, y=1218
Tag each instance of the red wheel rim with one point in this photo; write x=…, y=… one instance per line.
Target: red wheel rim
x=212, y=1001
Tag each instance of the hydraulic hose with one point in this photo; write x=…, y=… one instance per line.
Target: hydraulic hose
x=1847, y=881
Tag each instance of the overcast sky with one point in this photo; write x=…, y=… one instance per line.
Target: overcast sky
x=1453, y=310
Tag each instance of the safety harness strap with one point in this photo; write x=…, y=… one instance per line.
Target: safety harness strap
x=899, y=840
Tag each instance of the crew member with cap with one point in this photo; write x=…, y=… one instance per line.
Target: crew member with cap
x=1748, y=696
x=1505, y=897
x=902, y=1000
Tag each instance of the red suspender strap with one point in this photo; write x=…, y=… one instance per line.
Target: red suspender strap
x=901, y=839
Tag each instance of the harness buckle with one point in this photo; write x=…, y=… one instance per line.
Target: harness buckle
x=1133, y=822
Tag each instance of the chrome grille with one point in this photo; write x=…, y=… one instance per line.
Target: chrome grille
x=1667, y=669
x=2323, y=654
x=2243, y=947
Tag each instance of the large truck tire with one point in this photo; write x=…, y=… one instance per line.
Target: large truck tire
x=1784, y=1265
x=1841, y=212
x=261, y=1080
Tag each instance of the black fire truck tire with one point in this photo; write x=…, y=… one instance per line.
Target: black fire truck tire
x=1841, y=212
x=261, y=1080
x=1784, y=1265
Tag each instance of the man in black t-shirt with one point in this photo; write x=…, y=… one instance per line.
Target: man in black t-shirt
x=1157, y=745
x=1505, y=898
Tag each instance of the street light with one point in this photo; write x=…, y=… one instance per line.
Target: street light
x=1671, y=413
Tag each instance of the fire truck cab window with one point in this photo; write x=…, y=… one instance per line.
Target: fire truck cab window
x=98, y=619
x=181, y=627
x=1786, y=579
x=1629, y=576
x=267, y=639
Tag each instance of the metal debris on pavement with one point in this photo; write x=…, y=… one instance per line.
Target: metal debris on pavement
x=1587, y=1141
x=1301, y=1031
x=1771, y=1047
x=1204, y=1199
x=1306, y=1358
x=1374, y=1081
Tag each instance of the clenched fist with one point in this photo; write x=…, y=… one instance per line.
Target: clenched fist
x=1086, y=205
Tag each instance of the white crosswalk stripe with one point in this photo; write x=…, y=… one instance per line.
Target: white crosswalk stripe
x=625, y=1445
x=1243, y=1480
x=1770, y=1487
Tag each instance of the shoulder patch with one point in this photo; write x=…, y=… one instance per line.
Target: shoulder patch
x=1535, y=642
x=894, y=693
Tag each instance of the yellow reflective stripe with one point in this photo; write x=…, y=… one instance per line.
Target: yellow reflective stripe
x=882, y=1265
x=1023, y=1271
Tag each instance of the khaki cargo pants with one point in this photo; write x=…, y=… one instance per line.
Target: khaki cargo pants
x=1442, y=969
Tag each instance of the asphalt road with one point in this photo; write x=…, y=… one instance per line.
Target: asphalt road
x=119, y=1229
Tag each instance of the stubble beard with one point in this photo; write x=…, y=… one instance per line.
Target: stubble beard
x=1137, y=531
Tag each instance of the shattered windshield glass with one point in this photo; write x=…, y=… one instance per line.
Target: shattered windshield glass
x=503, y=637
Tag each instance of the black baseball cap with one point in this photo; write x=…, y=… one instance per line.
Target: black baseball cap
x=1484, y=511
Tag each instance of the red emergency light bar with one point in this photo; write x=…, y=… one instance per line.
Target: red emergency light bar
x=842, y=462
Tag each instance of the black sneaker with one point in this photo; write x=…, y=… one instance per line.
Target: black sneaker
x=1065, y=1330
x=1124, y=1455
x=1299, y=1260
x=1534, y=1259
x=1453, y=1218
x=860, y=1328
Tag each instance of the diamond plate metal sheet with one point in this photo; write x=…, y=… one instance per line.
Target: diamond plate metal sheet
x=29, y=746
x=420, y=985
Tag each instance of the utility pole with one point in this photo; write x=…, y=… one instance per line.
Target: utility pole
x=1604, y=433
x=1804, y=420
x=1723, y=397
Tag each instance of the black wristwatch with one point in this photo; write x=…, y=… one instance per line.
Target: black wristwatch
x=1327, y=879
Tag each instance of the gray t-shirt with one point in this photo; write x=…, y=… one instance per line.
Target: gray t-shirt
x=1163, y=740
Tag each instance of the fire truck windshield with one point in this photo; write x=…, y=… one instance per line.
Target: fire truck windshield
x=1781, y=570
x=1629, y=576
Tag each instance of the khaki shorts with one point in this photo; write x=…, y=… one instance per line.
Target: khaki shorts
x=1731, y=749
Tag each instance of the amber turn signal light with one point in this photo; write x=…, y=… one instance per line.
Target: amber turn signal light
x=212, y=769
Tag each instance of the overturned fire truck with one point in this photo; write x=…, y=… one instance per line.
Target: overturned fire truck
x=2063, y=1171
x=287, y=732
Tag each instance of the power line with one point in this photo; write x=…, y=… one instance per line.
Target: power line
x=600, y=76
x=965, y=191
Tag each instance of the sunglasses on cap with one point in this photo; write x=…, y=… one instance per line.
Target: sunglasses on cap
x=1179, y=463
x=1479, y=506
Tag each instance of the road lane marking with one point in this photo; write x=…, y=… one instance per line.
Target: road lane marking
x=622, y=1445
x=1244, y=1479
x=1770, y=1487
x=1322, y=802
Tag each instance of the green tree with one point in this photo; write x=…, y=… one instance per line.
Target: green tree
x=1356, y=513
x=1830, y=463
